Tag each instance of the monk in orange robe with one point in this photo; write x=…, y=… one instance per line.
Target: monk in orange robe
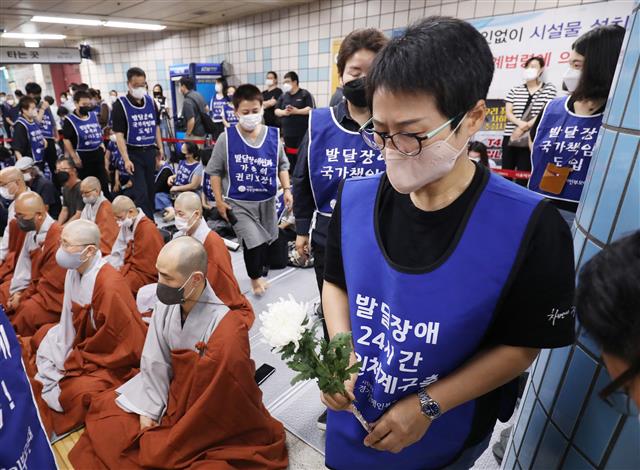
x=136, y=249
x=189, y=221
x=98, y=343
x=37, y=287
x=12, y=185
x=195, y=403
x=97, y=208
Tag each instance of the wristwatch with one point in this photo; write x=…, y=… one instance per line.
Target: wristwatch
x=429, y=407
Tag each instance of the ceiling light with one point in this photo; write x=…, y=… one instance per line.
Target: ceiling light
x=34, y=36
x=126, y=24
x=31, y=44
x=62, y=20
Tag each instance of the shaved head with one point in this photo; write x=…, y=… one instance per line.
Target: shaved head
x=188, y=202
x=81, y=232
x=181, y=257
x=12, y=175
x=90, y=183
x=29, y=203
x=121, y=205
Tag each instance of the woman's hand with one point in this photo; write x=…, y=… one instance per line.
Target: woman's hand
x=171, y=180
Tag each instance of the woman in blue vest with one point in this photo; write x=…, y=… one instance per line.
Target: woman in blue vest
x=48, y=125
x=229, y=117
x=122, y=181
x=189, y=174
x=449, y=278
x=216, y=107
x=28, y=140
x=565, y=133
x=82, y=135
x=247, y=161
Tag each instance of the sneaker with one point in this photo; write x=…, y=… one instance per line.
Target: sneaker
x=322, y=421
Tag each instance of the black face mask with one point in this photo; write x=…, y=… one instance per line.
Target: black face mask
x=84, y=110
x=171, y=295
x=157, y=94
x=26, y=225
x=354, y=92
x=37, y=98
x=62, y=177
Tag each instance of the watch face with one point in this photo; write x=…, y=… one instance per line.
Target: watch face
x=432, y=408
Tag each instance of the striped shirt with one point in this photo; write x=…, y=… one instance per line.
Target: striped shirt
x=518, y=97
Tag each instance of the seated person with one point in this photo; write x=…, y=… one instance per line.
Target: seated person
x=98, y=343
x=97, y=208
x=220, y=274
x=195, y=401
x=162, y=187
x=189, y=175
x=37, y=182
x=67, y=178
x=136, y=249
x=37, y=287
x=122, y=181
x=608, y=307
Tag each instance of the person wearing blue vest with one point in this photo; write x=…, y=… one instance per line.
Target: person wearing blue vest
x=332, y=150
x=122, y=184
x=28, y=140
x=136, y=122
x=82, y=136
x=189, y=174
x=566, y=131
x=47, y=123
x=246, y=163
x=216, y=107
x=449, y=278
x=229, y=117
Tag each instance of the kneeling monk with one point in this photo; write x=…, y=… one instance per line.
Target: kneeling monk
x=195, y=401
x=98, y=343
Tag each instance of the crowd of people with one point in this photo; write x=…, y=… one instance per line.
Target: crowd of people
x=129, y=312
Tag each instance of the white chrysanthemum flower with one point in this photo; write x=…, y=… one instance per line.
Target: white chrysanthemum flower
x=283, y=322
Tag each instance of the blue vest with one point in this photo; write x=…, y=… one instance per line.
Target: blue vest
x=48, y=125
x=164, y=165
x=88, y=131
x=280, y=206
x=411, y=329
x=564, y=139
x=34, y=132
x=207, y=189
x=336, y=154
x=252, y=170
x=117, y=162
x=230, y=113
x=141, y=122
x=216, y=108
x=185, y=172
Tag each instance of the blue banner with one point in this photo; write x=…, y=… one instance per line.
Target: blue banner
x=23, y=441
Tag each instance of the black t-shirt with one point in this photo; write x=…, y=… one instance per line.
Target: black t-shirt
x=69, y=133
x=72, y=199
x=295, y=126
x=119, y=118
x=542, y=279
x=161, y=184
x=21, y=141
x=47, y=191
x=270, y=118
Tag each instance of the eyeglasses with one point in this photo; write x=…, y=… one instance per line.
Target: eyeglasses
x=66, y=245
x=407, y=143
x=618, y=399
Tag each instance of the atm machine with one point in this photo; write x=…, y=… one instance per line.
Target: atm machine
x=204, y=76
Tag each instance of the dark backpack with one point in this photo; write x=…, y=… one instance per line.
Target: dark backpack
x=205, y=119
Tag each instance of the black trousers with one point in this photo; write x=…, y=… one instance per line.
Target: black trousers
x=318, y=267
x=515, y=158
x=256, y=260
x=292, y=142
x=93, y=165
x=51, y=157
x=144, y=162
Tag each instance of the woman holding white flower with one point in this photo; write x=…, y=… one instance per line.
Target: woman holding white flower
x=449, y=278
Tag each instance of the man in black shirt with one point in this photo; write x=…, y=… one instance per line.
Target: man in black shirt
x=41, y=185
x=270, y=98
x=450, y=277
x=293, y=110
x=67, y=177
x=139, y=139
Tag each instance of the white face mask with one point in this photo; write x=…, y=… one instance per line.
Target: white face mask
x=218, y=87
x=268, y=82
x=138, y=93
x=70, y=260
x=2, y=99
x=33, y=113
x=126, y=223
x=27, y=177
x=530, y=74
x=5, y=194
x=250, y=121
x=286, y=87
x=571, y=78
x=89, y=200
x=112, y=98
x=183, y=223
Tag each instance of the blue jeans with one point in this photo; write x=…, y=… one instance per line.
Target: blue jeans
x=469, y=456
x=162, y=201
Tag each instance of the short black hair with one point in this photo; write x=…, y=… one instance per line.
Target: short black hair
x=18, y=93
x=49, y=99
x=272, y=72
x=443, y=57
x=608, y=298
x=246, y=92
x=192, y=149
x=135, y=72
x=82, y=86
x=293, y=76
x=32, y=88
x=370, y=39
x=537, y=58
x=62, y=111
x=94, y=93
x=68, y=160
x=113, y=91
x=25, y=102
x=78, y=95
x=600, y=47
x=187, y=82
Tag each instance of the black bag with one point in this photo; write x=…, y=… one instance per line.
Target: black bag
x=205, y=119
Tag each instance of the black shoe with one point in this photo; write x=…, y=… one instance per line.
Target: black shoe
x=322, y=421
